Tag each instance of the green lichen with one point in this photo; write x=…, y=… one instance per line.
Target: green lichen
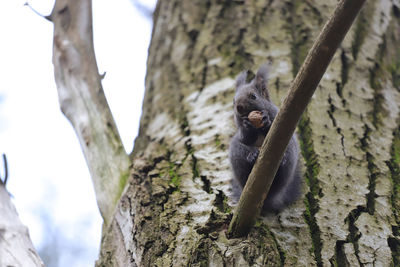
x=300, y=43
x=218, y=143
x=393, y=40
x=200, y=257
x=396, y=147
x=282, y=252
x=221, y=202
x=394, y=70
x=394, y=166
x=173, y=175
x=122, y=183
x=376, y=76
x=266, y=244
x=311, y=176
x=185, y=127
x=309, y=216
x=307, y=149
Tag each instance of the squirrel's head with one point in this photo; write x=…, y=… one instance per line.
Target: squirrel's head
x=251, y=96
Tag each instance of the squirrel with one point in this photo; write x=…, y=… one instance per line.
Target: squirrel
x=245, y=144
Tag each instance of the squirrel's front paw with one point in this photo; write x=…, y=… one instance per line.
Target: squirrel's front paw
x=266, y=120
x=252, y=156
x=247, y=124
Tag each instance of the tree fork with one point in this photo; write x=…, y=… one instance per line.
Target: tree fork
x=283, y=126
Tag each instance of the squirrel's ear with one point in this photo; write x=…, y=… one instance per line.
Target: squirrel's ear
x=261, y=79
x=241, y=79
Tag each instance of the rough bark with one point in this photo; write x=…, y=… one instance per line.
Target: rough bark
x=282, y=129
x=16, y=248
x=177, y=203
x=83, y=102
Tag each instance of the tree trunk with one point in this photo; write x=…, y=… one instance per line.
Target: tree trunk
x=177, y=204
x=16, y=248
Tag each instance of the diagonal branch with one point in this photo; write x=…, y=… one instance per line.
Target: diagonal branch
x=83, y=102
x=16, y=248
x=283, y=126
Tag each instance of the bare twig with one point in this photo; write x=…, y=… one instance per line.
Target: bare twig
x=37, y=13
x=147, y=12
x=300, y=93
x=4, y=179
x=103, y=75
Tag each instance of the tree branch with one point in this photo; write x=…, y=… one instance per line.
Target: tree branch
x=37, y=13
x=147, y=12
x=282, y=129
x=16, y=248
x=83, y=102
x=5, y=165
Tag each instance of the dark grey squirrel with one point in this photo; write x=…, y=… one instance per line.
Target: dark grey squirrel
x=245, y=144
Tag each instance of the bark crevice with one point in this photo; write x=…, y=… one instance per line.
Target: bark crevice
x=315, y=191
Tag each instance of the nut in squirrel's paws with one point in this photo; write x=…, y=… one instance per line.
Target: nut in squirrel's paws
x=255, y=117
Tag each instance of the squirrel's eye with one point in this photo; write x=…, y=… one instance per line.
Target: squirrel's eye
x=252, y=96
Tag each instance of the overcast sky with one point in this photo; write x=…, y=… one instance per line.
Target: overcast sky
x=49, y=180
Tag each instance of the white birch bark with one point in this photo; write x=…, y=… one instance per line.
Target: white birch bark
x=16, y=248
